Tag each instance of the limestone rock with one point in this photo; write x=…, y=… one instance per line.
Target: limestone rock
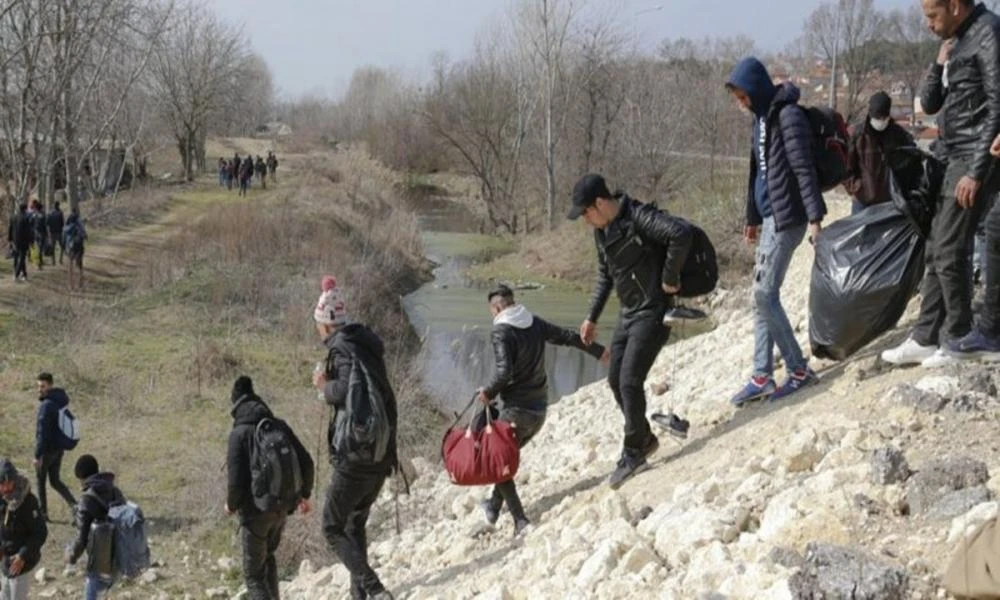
x=940, y=477
x=837, y=572
x=909, y=395
x=967, y=523
x=801, y=453
x=959, y=502
x=598, y=566
x=786, y=557
x=150, y=576
x=226, y=564
x=41, y=576
x=889, y=466
x=499, y=592
x=636, y=559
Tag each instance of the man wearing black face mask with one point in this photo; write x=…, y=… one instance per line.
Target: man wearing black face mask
x=871, y=148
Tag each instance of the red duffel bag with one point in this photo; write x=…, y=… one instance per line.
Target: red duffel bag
x=474, y=456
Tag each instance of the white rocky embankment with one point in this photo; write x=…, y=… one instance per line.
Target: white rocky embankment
x=860, y=486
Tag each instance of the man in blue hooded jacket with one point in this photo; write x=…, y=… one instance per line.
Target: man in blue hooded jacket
x=784, y=200
x=48, y=451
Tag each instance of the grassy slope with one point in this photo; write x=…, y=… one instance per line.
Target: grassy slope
x=148, y=357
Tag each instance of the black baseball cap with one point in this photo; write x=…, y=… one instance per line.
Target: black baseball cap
x=879, y=105
x=585, y=193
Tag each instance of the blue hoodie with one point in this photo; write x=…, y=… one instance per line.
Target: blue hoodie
x=751, y=76
x=47, y=431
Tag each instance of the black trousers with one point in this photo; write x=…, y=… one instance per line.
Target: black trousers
x=946, y=304
x=349, y=500
x=989, y=320
x=634, y=348
x=261, y=536
x=20, y=262
x=527, y=423
x=48, y=469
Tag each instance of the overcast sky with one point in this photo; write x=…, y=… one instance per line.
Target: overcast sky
x=315, y=45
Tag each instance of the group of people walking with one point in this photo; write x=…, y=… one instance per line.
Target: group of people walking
x=31, y=228
x=25, y=516
x=239, y=173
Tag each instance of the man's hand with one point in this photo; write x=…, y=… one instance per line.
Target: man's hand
x=751, y=233
x=482, y=397
x=305, y=507
x=995, y=148
x=225, y=508
x=588, y=332
x=814, y=229
x=966, y=191
x=606, y=357
x=319, y=380
x=671, y=290
x=945, y=51
x=16, y=566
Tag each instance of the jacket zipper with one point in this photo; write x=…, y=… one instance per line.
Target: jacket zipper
x=642, y=289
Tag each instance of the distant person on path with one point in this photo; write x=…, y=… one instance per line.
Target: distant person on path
x=56, y=221
x=48, y=450
x=870, y=150
x=222, y=172
x=75, y=238
x=640, y=253
x=783, y=203
x=261, y=169
x=231, y=172
x=99, y=495
x=20, y=237
x=246, y=175
x=261, y=530
x=964, y=87
x=359, y=469
x=520, y=380
x=22, y=533
x=272, y=166
x=39, y=230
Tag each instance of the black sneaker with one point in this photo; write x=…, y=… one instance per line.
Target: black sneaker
x=520, y=525
x=674, y=425
x=683, y=313
x=627, y=467
x=490, y=512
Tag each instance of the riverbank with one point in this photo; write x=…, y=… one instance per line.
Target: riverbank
x=207, y=287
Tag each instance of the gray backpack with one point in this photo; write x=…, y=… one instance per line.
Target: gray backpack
x=362, y=431
x=128, y=550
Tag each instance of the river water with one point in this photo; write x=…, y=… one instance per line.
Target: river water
x=453, y=318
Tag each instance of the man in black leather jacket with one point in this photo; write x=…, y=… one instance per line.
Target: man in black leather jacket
x=519, y=340
x=963, y=89
x=640, y=251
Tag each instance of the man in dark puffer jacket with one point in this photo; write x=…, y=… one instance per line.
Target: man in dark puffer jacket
x=640, y=252
x=783, y=201
x=22, y=532
x=519, y=340
x=963, y=88
x=99, y=495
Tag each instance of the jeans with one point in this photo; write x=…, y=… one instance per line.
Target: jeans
x=989, y=319
x=261, y=537
x=946, y=305
x=96, y=587
x=16, y=588
x=48, y=469
x=20, y=262
x=634, y=347
x=526, y=423
x=771, y=326
x=349, y=500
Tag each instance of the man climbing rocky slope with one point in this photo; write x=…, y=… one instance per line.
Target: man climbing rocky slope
x=861, y=485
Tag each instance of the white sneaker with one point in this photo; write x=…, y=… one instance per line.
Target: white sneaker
x=908, y=353
x=939, y=360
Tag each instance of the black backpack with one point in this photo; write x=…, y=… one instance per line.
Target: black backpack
x=275, y=471
x=362, y=431
x=74, y=239
x=830, y=145
x=700, y=272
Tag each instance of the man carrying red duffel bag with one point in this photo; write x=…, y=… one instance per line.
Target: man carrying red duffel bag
x=519, y=340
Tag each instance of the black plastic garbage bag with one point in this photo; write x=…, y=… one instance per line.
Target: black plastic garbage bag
x=869, y=265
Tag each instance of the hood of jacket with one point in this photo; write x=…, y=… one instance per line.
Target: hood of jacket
x=751, y=76
x=56, y=396
x=102, y=484
x=786, y=93
x=516, y=316
x=249, y=410
x=22, y=486
x=356, y=335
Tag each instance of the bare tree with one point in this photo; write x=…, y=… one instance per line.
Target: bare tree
x=843, y=33
x=913, y=48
